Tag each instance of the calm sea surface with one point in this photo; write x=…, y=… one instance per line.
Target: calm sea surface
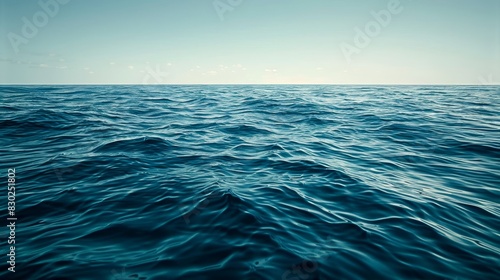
x=252, y=182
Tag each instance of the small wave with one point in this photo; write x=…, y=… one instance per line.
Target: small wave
x=254, y=182
x=145, y=145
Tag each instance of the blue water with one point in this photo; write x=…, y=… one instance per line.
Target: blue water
x=253, y=182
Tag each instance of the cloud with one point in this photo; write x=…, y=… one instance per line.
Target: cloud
x=32, y=64
x=131, y=67
x=16, y=61
x=211, y=73
x=271, y=70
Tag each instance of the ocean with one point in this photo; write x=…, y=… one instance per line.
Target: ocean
x=292, y=182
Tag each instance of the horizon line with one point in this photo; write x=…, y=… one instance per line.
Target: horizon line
x=235, y=84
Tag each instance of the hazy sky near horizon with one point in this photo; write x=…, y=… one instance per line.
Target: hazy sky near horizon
x=250, y=41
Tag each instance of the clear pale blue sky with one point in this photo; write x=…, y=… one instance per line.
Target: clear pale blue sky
x=258, y=41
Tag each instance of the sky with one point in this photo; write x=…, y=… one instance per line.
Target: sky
x=250, y=42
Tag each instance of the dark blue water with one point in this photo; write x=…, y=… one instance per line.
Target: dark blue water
x=252, y=182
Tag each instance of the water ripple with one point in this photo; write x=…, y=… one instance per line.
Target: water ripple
x=254, y=182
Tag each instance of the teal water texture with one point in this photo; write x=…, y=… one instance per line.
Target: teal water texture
x=253, y=182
